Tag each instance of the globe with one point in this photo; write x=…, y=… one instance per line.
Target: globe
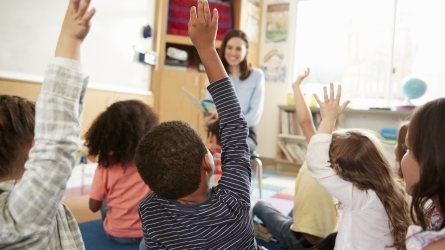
x=413, y=87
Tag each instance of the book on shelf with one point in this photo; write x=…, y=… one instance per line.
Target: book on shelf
x=174, y=62
x=206, y=106
x=301, y=151
x=293, y=152
x=284, y=121
x=291, y=148
x=179, y=68
x=285, y=152
x=288, y=122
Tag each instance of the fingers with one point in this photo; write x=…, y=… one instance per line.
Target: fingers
x=214, y=116
x=193, y=16
x=318, y=100
x=83, y=7
x=325, y=91
x=75, y=4
x=87, y=17
x=200, y=9
x=344, y=105
x=206, y=11
x=338, y=93
x=215, y=17
x=331, y=88
x=306, y=73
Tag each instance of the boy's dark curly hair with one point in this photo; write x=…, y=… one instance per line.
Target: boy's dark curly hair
x=116, y=132
x=169, y=159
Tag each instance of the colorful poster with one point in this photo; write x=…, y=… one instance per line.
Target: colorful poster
x=274, y=67
x=276, y=22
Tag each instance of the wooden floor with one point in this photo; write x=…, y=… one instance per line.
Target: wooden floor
x=79, y=206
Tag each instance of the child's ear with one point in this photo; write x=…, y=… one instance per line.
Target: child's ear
x=208, y=162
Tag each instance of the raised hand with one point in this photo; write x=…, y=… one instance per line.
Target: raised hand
x=201, y=27
x=77, y=19
x=300, y=78
x=209, y=119
x=330, y=108
x=75, y=28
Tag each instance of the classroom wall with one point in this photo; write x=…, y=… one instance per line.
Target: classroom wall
x=96, y=101
x=29, y=30
x=276, y=93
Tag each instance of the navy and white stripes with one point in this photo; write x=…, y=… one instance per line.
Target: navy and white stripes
x=223, y=220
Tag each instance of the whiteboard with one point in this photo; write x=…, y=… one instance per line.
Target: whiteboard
x=29, y=30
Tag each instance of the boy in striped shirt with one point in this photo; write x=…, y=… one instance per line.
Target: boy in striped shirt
x=183, y=212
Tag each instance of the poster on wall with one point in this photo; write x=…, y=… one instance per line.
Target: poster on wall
x=252, y=29
x=274, y=66
x=276, y=22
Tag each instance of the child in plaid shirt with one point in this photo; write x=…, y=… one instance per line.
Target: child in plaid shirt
x=38, y=145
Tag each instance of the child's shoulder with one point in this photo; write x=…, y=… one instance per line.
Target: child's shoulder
x=151, y=197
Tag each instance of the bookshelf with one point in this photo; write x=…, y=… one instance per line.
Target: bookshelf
x=167, y=79
x=290, y=132
x=292, y=145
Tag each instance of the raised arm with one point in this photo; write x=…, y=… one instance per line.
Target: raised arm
x=318, y=161
x=34, y=200
x=233, y=127
x=202, y=31
x=75, y=28
x=302, y=110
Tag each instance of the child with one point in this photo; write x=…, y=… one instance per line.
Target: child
x=117, y=186
x=400, y=148
x=314, y=215
x=400, y=151
x=31, y=187
x=352, y=166
x=183, y=212
x=423, y=168
x=213, y=144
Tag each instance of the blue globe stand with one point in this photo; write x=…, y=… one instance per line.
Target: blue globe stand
x=412, y=88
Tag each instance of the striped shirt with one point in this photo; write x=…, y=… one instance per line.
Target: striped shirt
x=32, y=216
x=222, y=221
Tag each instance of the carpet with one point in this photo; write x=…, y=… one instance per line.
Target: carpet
x=94, y=237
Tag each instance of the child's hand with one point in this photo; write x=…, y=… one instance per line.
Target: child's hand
x=77, y=20
x=330, y=108
x=202, y=29
x=300, y=78
x=209, y=119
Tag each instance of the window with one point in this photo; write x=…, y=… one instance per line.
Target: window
x=370, y=46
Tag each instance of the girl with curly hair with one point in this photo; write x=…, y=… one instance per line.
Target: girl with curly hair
x=351, y=164
x=117, y=186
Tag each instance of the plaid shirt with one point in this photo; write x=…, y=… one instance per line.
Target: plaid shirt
x=32, y=216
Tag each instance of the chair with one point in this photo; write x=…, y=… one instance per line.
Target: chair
x=257, y=170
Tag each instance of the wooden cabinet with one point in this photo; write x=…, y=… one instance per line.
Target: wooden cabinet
x=174, y=104
x=170, y=101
